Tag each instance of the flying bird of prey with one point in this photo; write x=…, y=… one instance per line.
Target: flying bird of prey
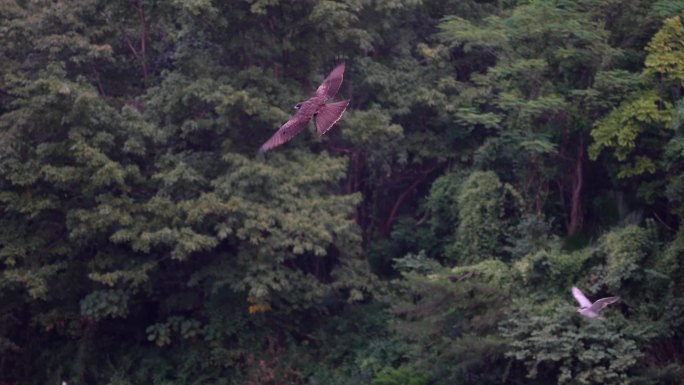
x=589, y=309
x=325, y=114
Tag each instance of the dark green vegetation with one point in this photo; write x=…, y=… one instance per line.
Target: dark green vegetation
x=495, y=154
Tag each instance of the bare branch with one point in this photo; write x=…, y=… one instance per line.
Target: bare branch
x=402, y=197
x=139, y=54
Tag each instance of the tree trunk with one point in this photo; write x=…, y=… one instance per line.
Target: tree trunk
x=385, y=228
x=576, y=219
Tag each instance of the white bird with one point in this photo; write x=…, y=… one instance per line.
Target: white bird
x=589, y=309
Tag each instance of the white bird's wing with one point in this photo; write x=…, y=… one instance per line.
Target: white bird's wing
x=288, y=131
x=332, y=83
x=602, y=303
x=579, y=296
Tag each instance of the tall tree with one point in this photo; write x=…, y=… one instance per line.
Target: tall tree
x=552, y=67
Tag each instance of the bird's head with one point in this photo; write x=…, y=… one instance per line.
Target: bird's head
x=298, y=106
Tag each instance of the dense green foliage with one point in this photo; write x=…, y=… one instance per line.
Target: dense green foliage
x=495, y=154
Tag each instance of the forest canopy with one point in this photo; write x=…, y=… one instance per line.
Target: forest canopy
x=494, y=155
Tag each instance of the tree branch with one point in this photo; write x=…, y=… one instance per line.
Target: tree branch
x=130, y=44
x=657, y=217
x=100, y=86
x=143, y=38
x=390, y=220
x=422, y=219
x=578, y=180
x=139, y=55
x=143, y=29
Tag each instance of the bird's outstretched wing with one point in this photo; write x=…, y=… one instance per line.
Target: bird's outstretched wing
x=579, y=296
x=332, y=83
x=288, y=131
x=602, y=303
x=329, y=114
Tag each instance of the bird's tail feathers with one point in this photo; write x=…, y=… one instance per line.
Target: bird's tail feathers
x=329, y=114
